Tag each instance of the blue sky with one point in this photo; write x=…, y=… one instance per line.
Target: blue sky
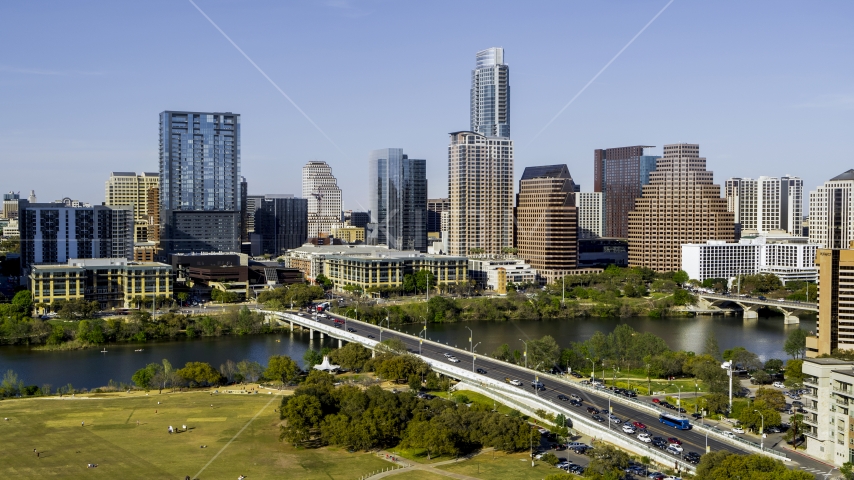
x=764, y=87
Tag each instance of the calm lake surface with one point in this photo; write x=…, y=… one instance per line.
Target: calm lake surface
x=91, y=369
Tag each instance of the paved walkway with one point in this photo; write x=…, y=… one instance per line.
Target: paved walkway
x=425, y=467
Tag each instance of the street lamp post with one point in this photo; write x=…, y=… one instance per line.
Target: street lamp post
x=728, y=367
x=761, y=431
x=526, y=352
x=537, y=379
x=473, y=356
x=679, y=399
x=593, y=374
x=471, y=335
x=696, y=401
x=648, y=381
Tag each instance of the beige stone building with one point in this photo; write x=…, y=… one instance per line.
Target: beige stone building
x=681, y=204
x=547, y=221
x=129, y=188
x=348, y=233
x=835, y=326
x=480, y=188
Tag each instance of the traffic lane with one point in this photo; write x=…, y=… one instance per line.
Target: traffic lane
x=499, y=370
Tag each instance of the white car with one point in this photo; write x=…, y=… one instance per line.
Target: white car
x=778, y=385
x=675, y=446
x=516, y=383
x=453, y=359
x=645, y=438
x=738, y=430
x=628, y=429
x=447, y=355
x=729, y=434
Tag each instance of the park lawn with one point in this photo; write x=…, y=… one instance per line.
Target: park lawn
x=112, y=439
x=419, y=455
x=512, y=465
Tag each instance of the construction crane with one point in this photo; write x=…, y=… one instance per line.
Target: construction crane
x=319, y=197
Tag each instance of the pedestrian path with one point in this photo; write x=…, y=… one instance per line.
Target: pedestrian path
x=403, y=466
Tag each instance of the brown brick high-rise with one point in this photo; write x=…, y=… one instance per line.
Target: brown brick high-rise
x=681, y=204
x=620, y=174
x=547, y=221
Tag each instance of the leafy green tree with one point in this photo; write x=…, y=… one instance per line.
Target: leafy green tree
x=752, y=419
x=311, y=357
x=796, y=343
x=351, y=356
x=724, y=465
x=682, y=297
x=144, y=376
x=796, y=428
x=712, y=348
x=773, y=365
x=794, y=373
x=23, y=302
x=772, y=397
x=10, y=385
x=503, y=353
x=199, y=373
x=323, y=281
x=281, y=368
x=847, y=470
x=302, y=414
x=608, y=461
x=680, y=277
x=550, y=458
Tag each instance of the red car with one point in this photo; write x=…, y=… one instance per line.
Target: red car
x=639, y=425
x=655, y=400
x=673, y=440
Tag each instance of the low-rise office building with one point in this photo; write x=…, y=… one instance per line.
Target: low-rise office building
x=387, y=270
x=112, y=282
x=309, y=258
x=349, y=234
x=788, y=257
x=485, y=271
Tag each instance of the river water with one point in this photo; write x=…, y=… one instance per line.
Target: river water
x=90, y=368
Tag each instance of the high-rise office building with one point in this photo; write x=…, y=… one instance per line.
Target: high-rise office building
x=835, y=327
x=681, y=204
x=397, y=197
x=766, y=204
x=435, y=207
x=282, y=223
x=357, y=219
x=10, y=205
x=200, y=181
x=55, y=233
x=248, y=223
x=480, y=188
x=490, y=94
x=321, y=190
x=547, y=221
x=152, y=200
x=129, y=188
x=590, y=214
x=831, y=222
x=620, y=174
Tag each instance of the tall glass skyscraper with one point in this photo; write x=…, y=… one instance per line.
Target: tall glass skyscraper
x=200, y=200
x=490, y=94
x=398, y=200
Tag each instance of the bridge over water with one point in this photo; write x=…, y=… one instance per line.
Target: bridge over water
x=751, y=305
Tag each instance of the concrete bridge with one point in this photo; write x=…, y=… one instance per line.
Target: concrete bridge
x=492, y=381
x=751, y=305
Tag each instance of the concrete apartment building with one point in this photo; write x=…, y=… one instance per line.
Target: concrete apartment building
x=619, y=175
x=835, y=327
x=591, y=215
x=56, y=233
x=480, y=187
x=200, y=181
x=10, y=205
x=831, y=222
x=321, y=190
x=766, y=204
x=546, y=233
x=492, y=273
x=435, y=207
x=131, y=189
x=680, y=205
x=828, y=404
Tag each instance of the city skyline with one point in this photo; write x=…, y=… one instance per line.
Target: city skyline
x=798, y=103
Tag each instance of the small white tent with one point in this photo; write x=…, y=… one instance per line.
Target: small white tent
x=326, y=366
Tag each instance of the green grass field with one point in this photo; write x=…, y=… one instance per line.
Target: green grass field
x=513, y=465
x=112, y=439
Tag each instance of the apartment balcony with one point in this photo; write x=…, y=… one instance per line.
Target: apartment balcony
x=847, y=393
x=810, y=383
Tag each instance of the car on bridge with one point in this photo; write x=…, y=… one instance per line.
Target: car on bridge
x=598, y=418
x=453, y=359
x=628, y=429
x=563, y=398
x=639, y=425
x=513, y=381
x=576, y=398
x=481, y=371
x=592, y=410
x=644, y=437
x=538, y=385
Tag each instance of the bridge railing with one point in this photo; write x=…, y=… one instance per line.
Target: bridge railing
x=461, y=373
